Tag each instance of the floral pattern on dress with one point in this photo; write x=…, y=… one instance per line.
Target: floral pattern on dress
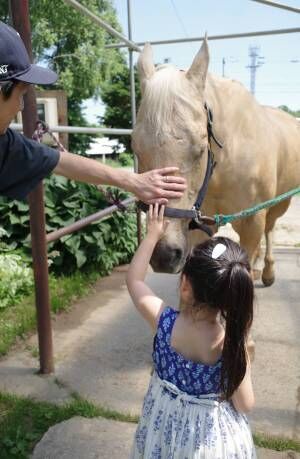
x=182, y=417
x=191, y=377
x=156, y=453
x=168, y=430
x=140, y=438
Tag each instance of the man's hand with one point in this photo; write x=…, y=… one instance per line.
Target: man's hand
x=159, y=185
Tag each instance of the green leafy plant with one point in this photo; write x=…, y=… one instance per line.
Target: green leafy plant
x=125, y=159
x=103, y=244
x=115, y=94
x=16, y=277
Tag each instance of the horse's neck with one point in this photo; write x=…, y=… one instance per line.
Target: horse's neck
x=226, y=98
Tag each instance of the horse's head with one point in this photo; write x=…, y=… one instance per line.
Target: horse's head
x=171, y=130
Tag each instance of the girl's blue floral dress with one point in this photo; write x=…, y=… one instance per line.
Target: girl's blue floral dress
x=182, y=417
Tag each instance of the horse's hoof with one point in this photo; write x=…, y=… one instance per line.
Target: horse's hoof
x=268, y=281
x=256, y=274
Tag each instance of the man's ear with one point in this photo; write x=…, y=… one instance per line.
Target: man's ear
x=1, y=93
x=7, y=88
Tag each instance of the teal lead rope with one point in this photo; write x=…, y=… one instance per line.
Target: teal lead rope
x=223, y=219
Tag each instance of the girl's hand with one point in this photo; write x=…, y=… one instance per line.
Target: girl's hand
x=156, y=224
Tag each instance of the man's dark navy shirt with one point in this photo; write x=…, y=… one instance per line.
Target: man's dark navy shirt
x=23, y=164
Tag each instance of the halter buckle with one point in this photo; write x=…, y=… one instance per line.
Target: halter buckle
x=197, y=215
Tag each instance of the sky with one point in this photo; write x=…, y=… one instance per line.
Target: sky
x=277, y=79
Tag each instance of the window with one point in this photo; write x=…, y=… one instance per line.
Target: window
x=41, y=112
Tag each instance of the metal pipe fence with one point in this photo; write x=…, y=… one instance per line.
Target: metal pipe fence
x=79, y=130
x=278, y=5
x=97, y=20
x=78, y=225
x=213, y=37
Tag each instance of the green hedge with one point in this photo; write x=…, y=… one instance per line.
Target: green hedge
x=104, y=244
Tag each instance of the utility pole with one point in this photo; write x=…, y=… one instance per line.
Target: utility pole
x=228, y=60
x=255, y=62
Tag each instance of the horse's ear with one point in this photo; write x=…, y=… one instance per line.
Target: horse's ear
x=198, y=70
x=145, y=64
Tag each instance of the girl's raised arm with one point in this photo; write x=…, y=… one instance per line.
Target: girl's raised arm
x=145, y=300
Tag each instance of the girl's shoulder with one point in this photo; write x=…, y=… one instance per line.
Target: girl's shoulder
x=167, y=318
x=165, y=324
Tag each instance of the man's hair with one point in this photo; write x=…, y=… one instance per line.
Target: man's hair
x=6, y=88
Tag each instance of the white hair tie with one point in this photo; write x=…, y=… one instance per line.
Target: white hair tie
x=218, y=250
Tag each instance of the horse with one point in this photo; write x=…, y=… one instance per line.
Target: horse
x=260, y=158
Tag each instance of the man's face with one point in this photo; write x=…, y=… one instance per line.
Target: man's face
x=11, y=106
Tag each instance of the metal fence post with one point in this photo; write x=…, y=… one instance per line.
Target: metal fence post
x=133, y=110
x=20, y=18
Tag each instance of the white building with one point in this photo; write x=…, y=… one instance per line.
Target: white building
x=103, y=146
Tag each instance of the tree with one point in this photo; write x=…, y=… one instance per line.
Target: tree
x=115, y=93
x=291, y=112
x=73, y=46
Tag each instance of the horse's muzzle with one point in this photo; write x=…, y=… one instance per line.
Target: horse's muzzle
x=167, y=258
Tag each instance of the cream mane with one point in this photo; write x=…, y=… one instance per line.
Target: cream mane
x=167, y=100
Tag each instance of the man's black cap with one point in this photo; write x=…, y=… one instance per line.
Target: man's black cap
x=15, y=63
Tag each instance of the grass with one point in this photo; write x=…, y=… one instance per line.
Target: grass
x=16, y=321
x=23, y=422
x=276, y=443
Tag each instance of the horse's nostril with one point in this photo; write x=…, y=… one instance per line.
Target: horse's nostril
x=167, y=258
x=177, y=254
x=174, y=256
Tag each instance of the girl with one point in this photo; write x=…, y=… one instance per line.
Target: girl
x=201, y=385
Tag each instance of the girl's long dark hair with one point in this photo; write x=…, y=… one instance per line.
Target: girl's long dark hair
x=225, y=284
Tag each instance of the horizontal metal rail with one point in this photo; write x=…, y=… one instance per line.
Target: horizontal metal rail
x=83, y=130
x=102, y=23
x=213, y=37
x=79, y=130
x=278, y=5
x=51, y=237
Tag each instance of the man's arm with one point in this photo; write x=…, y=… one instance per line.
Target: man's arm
x=149, y=187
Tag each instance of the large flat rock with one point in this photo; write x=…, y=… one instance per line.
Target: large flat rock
x=81, y=438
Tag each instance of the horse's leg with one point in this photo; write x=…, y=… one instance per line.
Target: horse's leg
x=268, y=275
x=256, y=268
x=251, y=230
x=257, y=254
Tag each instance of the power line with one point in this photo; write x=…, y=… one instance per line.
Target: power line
x=179, y=18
